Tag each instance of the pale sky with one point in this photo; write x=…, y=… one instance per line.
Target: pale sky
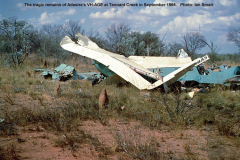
x=171, y=21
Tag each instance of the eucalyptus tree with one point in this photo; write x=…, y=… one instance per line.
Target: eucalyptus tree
x=118, y=39
x=138, y=44
x=154, y=46
x=193, y=41
x=121, y=40
x=51, y=36
x=15, y=41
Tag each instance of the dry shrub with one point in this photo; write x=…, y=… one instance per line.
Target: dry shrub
x=74, y=139
x=228, y=128
x=9, y=153
x=8, y=127
x=131, y=142
x=8, y=99
x=59, y=117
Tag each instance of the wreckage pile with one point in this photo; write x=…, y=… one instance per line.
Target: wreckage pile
x=65, y=72
x=223, y=75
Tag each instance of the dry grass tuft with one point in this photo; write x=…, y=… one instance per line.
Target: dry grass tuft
x=131, y=142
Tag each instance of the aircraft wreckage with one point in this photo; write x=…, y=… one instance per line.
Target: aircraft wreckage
x=65, y=72
x=226, y=75
x=132, y=69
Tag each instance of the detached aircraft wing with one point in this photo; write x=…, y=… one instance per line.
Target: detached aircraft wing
x=127, y=69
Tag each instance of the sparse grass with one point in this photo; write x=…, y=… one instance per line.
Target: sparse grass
x=154, y=111
x=73, y=141
x=8, y=99
x=8, y=127
x=131, y=142
x=9, y=153
x=58, y=118
x=227, y=128
x=2, y=153
x=219, y=109
x=187, y=148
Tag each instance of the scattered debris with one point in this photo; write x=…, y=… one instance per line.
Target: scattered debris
x=182, y=54
x=214, y=75
x=191, y=94
x=65, y=72
x=147, y=95
x=1, y=120
x=201, y=90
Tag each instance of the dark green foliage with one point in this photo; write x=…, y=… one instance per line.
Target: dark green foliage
x=235, y=57
x=213, y=57
x=121, y=40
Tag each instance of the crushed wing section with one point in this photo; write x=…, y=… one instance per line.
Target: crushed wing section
x=132, y=69
x=111, y=61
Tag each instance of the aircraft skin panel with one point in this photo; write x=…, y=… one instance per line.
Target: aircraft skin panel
x=159, y=62
x=139, y=69
x=115, y=65
x=213, y=77
x=180, y=72
x=140, y=62
x=103, y=69
x=175, y=75
x=87, y=43
x=128, y=70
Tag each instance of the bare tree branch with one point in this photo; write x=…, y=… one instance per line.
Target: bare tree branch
x=193, y=42
x=234, y=35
